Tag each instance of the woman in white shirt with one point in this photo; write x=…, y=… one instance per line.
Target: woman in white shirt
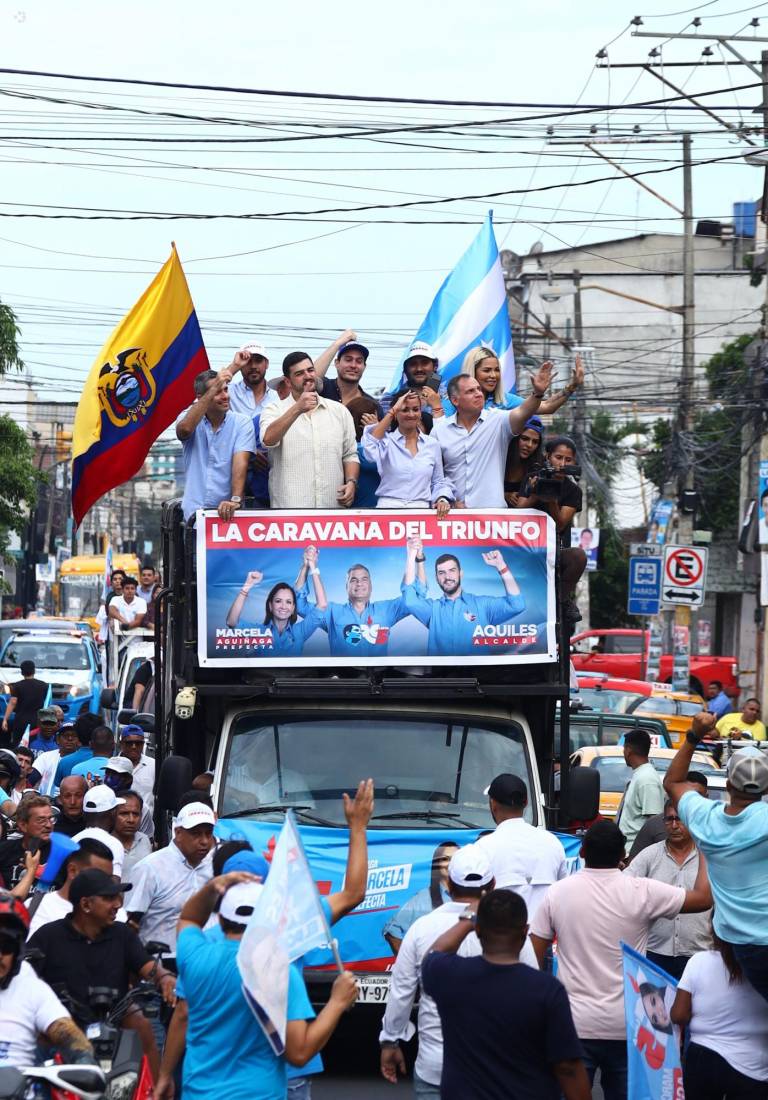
x=727, y=1020
x=410, y=463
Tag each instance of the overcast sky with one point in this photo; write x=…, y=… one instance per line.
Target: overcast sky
x=70, y=281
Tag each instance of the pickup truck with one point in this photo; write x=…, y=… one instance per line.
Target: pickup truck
x=620, y=653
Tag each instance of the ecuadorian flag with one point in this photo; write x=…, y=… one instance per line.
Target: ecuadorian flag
x=141, y=381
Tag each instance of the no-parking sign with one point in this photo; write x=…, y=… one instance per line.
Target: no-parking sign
x=685, y=571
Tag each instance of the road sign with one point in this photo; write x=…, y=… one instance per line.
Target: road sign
x=645, y=549
x=644, y=589
x=685, y=570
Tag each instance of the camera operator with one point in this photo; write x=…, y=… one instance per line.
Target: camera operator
x=553, y=489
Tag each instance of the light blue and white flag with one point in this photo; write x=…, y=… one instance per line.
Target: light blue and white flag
x=469, y=309
x=287, y=922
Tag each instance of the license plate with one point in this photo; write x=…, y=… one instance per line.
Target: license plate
x=373, y=990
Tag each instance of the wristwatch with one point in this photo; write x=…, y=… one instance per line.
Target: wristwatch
x=236, y=500
x=692, y=738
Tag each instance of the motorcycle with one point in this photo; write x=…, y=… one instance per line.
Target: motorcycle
x=86, y=1082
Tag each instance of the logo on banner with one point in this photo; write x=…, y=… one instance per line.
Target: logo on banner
x=370, y=632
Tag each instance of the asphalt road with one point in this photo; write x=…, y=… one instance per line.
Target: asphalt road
x=352, y=1063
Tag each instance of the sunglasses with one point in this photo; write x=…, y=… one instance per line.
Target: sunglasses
x=9, y=945
x=670, y=820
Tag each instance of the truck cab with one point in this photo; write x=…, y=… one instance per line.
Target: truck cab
x=297, y=732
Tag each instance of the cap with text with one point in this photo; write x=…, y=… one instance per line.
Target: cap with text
x=420, y=350
x=194, y=814
x=470, y=867
x=508, y=789
x=353, y=346
x=255, y=350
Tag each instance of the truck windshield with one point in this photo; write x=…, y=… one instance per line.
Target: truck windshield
x=46, y=654
x=427, y=772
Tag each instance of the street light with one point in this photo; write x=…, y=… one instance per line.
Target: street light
x=553, y=293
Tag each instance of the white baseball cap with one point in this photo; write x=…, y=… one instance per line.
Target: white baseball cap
x=239, y=901
x=120, y=764
x=193, y=814
x=255, y=349
x=100, y=799
x=470, y=867
x=421, y=349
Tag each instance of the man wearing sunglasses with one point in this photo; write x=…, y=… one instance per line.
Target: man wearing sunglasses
x=674, y=860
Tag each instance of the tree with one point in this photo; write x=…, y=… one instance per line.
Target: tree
x=9, y=341
x=18, y=480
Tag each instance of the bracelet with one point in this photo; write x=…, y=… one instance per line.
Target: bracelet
x=244, y=591
x=504, y=570
x=353, y=480
x=314, y=571
x=421, y=559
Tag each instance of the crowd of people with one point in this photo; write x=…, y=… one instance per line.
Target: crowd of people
x=476, y=948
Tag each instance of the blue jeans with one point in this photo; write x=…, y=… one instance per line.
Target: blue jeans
x=300, y=1088
x=753, y=960
x=422, y=1090
x=610, y=1057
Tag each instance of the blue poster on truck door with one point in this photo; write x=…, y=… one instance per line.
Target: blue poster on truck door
x=375, y=588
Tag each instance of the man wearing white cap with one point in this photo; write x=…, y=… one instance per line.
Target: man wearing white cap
x=420, y=374
x=734, y=839
x=249, y=395
x=166, y=879
x=99, y=806
x=469, y=877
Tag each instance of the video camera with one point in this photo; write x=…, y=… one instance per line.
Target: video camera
x=544, y=483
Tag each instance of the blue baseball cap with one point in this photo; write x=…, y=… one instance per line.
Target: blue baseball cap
x=353, y=345
x=247, y=861
x=535, y=424
x=132, y=730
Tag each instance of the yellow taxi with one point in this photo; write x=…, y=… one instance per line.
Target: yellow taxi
x=674, y=708
x=615, y=774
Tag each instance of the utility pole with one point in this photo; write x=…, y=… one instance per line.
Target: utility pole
x=764, y=436
x=579, y=430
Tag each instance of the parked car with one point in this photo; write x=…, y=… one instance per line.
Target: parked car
x=619, y=652
x=615, y=774
x=674, y=708
x=611, y=694
x=590, y=729
x=68, y=661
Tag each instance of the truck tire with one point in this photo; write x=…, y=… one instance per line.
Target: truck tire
x=176, y=775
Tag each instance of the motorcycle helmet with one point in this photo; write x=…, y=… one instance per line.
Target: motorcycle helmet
x=14, y=924
x=9, y=767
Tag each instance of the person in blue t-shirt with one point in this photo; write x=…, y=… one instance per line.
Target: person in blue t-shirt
x=361, y=626
x=452, y=620
x=734, y=839
x=281, y=631
x=719, y=702
x=241, y=857
x=227, y=1053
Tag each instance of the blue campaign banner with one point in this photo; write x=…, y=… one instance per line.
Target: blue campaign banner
x=375, y=588
x=653, y=1041
x=400, y=870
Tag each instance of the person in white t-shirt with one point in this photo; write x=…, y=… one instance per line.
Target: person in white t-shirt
x=29, y=1009
x=128, y=609
x=727, y=1023
x=55, y=905
x=523, y=858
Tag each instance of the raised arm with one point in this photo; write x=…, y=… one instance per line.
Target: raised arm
x=675, y=781
x=552, y=404
x=325, y=358
x=186, y=426
x=358, y=812
x=495, y=558
x=541, y=381
x=252, y=578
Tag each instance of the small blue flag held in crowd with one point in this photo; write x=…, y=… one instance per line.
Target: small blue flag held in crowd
x=653, y=1041
x=288, y=921
x=469, y=309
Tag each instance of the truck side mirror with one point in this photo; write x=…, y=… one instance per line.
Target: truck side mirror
x=583, y=794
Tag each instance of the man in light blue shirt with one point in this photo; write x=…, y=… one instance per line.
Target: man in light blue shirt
x=249, y=396
x=360, y=627
x=217, y=445
x=734, y=839
x=452, y=620
x=718, y=703
x=475, y=440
